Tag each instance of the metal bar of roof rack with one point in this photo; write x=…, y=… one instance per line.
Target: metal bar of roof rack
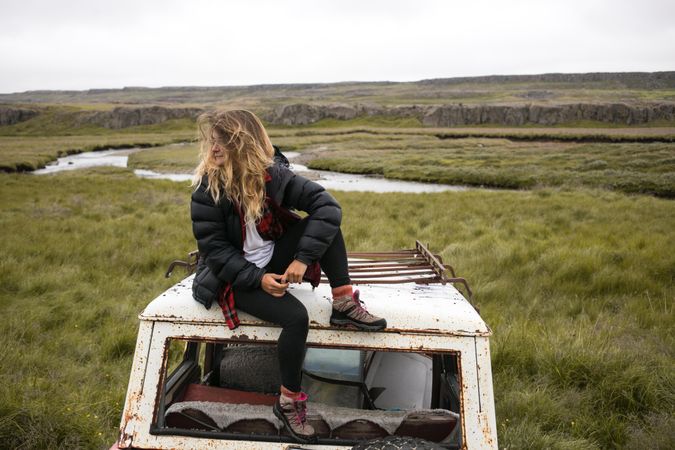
x=397, y=268
x=419, y=259
x=440, y=268
x=465, y=283
x=190, y=265
x=450, y=268
x=419, y=280
x=390, y=275
x=376, y=254
x=433, y=260
x=387, y=265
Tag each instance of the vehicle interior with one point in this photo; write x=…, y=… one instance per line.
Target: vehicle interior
x=227, y=389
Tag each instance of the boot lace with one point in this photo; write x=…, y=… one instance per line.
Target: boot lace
x=300, y=409
x=359, y=309
x=296, y=410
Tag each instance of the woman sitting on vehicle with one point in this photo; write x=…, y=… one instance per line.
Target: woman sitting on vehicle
x=252, y=246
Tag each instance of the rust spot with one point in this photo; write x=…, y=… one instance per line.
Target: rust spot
x=461, y=398
x=125, y=440
x=128, y=415
x=485, y=429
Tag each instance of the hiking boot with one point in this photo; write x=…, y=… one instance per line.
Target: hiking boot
x=349, y=310
x=293, y=414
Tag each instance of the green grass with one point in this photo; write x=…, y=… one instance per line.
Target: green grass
x=577, y=287
x=81, y=256
x=31, y=153
x=177, y=158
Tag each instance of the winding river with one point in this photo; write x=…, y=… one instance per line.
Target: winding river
x=329, y=180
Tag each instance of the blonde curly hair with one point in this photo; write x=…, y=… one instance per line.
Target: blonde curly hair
x=247, y=153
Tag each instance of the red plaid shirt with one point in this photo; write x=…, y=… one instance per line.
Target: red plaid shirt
x=271, y=226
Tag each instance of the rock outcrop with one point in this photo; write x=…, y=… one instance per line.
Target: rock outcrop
x=460, y=115
x=615, y=113
x=123, y=117
x=305, y=114
x=10, y=115
x=633, y=80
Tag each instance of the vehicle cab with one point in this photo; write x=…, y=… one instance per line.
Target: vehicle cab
x=197, y=384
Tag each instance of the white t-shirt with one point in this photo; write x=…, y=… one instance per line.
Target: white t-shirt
x=256, y=249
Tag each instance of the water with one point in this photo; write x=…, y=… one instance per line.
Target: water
x=329, y=180
x=371, y=183
x=366, y=183
x=163, y=176
x=86, y=160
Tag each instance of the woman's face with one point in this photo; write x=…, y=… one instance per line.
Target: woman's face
x=217, y=153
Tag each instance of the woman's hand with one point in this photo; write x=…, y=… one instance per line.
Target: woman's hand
x=271, y=283
x=295, y=272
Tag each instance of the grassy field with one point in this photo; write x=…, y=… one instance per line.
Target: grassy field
x=81, y=255
x=167, y=158
x=19, y=154
x=577, y=286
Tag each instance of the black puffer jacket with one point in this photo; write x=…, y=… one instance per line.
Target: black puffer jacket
x=218, y=230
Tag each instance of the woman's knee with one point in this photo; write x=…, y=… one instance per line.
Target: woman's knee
x=297, y=318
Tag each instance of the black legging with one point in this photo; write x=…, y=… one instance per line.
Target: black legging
x=288, y=311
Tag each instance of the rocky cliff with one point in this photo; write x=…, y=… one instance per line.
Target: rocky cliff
x=124, y=117
x=615, y=113
x=11, y=115
x=305, y=114
x=635, y=80
x=459, y=115
x=448, y=115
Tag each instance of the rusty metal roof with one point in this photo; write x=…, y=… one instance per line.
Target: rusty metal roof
x=410, y=288
x=408, y=307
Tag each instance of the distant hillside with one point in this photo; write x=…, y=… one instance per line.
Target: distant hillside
x=555, y=88
x=588, y=99
x=620, y=80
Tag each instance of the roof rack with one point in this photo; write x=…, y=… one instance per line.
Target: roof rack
x=417, y=265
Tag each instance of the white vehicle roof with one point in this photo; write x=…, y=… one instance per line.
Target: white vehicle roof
x=408, y=307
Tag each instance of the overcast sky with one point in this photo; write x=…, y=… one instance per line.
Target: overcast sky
x=83, y=44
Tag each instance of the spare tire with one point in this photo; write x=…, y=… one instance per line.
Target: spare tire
x=252, y=368
x=396, y=443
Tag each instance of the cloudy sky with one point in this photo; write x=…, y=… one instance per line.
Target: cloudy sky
x=82, y=44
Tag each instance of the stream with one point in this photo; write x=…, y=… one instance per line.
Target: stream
x=329, y=180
